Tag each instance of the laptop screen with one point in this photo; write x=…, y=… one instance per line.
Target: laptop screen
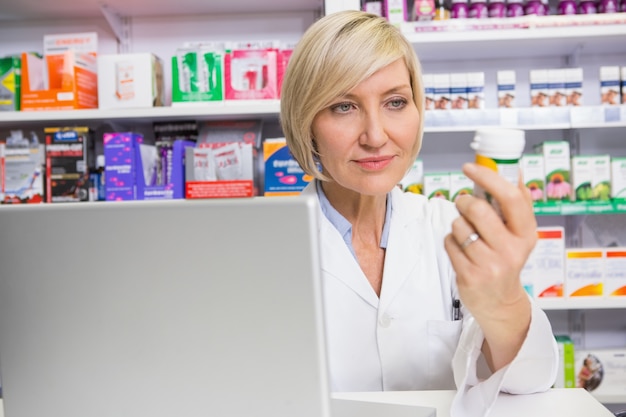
x=162, y=308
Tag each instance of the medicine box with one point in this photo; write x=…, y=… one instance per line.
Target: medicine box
x=584, y=272
x=574, y=86
x=460, y=185
x=544, y=272
x=67, y=173
x=413, y=181
x=556, y=87
x=441, y=91
x=283, y=174
x=602, y=372
x=437, y=185
x=533, y=175
x=222, y=163
x=618, y=178
x=132, y=168
x=475, y=90
x=615, y=272
x=251, y=70
x=539, y=91
x=566, y=373
x=130, y=81
x=506, y=88
x=23, y=167
x=557, y=168
x=10, y=83
x=197, y=73
x=458, y=91
x=610, y=85
x=395, y=11
x=65, y=77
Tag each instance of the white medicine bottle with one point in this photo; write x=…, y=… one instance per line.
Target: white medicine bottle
x=499, y=149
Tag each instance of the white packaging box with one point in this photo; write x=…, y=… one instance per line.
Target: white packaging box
x=618, y=177
x=458, y=91
x=556, y=87
x=506, y=88
x=574, y=86
x=615, y=272
x=601, y=177
x=460, y=185
x=533, y=175
x=130, y=81
x=441, y=91
x=582, y=177
x=429, y=91
x=437, y=185
x=475, y=90
x=544, y=272
x=539, y=88
x=605, y=372
x=413, y=181
x=374, y=7
x=584, y=272
x=609, y=85
x=556, y=160
x=395, y=11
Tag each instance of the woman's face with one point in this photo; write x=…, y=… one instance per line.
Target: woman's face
x=366, y=138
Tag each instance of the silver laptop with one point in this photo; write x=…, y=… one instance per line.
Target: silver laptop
x=166, y=308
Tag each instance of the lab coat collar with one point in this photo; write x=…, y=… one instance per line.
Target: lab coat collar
x=400, y=258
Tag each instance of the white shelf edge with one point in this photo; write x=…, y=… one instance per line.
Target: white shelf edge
x=610, y=399
x=581, y=304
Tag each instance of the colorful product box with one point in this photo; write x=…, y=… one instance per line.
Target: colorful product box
x=437, y=185
x=544, y=272
x=395, y=11
x=23, y=168
x=222, y=163
x=429, y=91
x=566, y=373
x=284, y=55
x=458, y=91
x=10, y=83
x=476, y=90
x=534, y=175
x=584, y=276
x=556, y=159
x=130, y=81
x=582, y=172
x=539, y=91
x=557, y=95
x=67, y=173
x=197, y=73
x=574, y=86
x=610, y=85
x=251, y=70
x=65, y=77
x=618, y=178
x=283, y=174
x=602, y=372
x=615, y=272
x=601, y=177
x=413, y=181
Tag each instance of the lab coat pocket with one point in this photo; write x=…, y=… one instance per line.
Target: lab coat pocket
x=443, y=338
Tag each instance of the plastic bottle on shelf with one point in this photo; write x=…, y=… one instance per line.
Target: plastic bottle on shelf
x=497, y=8
x=567, y=7
x=514, y=8
x=587, y=7
x=536, y=7
x=459, y=9
x=442, y=12
x=608, y=6
x=478, y=9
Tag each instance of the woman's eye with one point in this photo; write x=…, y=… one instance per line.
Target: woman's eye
x=397, y=103
x=342, y=107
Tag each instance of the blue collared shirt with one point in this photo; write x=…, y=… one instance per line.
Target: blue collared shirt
x=343, y=225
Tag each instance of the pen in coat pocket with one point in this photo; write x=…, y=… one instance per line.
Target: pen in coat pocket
x=456, y=309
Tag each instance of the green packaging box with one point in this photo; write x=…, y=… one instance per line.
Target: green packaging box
x=10, y=80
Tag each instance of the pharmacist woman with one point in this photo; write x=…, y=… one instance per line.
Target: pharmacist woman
x=418, y=294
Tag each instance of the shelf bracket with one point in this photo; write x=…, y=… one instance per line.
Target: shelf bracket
x=572, y=60
x=120, y=26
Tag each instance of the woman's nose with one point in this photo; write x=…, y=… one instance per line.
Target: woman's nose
x=373, y=132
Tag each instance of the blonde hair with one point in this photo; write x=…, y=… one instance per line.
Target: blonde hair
x=336, y=54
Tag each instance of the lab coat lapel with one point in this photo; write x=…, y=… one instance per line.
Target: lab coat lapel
x=337, y=260
x=403, y=247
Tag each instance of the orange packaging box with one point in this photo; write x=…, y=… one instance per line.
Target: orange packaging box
x=65, y=77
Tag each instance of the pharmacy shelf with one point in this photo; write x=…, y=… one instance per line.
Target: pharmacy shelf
x=223, y=110
x=517, y=37
x=588, y=303
x=580, y=208
x=608, y=399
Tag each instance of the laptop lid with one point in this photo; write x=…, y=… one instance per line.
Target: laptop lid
x=162, y=308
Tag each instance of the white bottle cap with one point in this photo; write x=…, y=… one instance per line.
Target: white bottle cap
x=100, y=161
x=499, y=143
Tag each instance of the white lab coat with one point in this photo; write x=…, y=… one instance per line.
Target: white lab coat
x=407, y=340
